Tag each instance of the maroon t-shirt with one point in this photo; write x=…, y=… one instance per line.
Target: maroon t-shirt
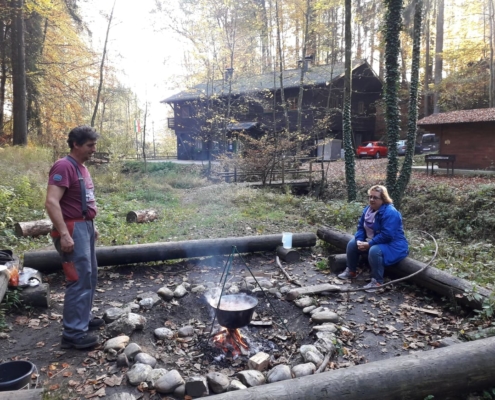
x=64, y=174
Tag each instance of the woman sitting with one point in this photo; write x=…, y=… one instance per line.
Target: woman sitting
x=380, y=235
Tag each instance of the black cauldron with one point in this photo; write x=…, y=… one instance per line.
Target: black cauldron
x=235, y=310
x=15, y=375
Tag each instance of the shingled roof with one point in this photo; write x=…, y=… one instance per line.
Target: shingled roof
x=460, y=117
x=316, y=75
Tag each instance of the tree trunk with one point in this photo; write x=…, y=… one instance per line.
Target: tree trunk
x=349, y=149
x=288, y=255
x=18, y=75
x=438, y=55
x=427, y=69
x=441, y=373
x=491, y=16
x=37, y=296
x=431, y=278
x=141, y=216
x=33, y=228
x=102, y=65
x=49, y=261
x=3, y=65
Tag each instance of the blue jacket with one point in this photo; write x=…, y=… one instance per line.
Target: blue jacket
x=389, y=234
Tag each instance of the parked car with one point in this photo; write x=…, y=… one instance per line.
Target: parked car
x=372, y=149
x=429, y=142
x=402, y=146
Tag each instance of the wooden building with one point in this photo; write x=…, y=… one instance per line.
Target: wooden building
x=209, y=116
x=467, y=134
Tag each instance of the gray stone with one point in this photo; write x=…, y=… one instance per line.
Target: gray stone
x=165, y=293
x=324, y=316
x=150, y=295
x=325, y=346
x=164, y=333
x=285, y=289
x=265, y=284
x=279, y=373
x=218, y=382
x=311, y=354
x=179, y=392
x=449, y=341
x=154, y=376
x=113, y=314
x=126, y=324
x=251, y=377
x=327, y=327
x=121, y=396
x=307, y=310
x=197, y=386
x=169, y=382
x=236, y=385
x=318, y=309
x=198, y=289
x=326, y=335
x=131, y=350
x=122, y=361
x=138, y=373
x=111, y=355
x=186, y=331
x=145, y=358
x=303, y=369
x=304, y=302
x=146, y=304
x=116, y=343
x=180, y=291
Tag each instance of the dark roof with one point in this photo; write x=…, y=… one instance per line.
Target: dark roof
x=241, y=126
x=316, y=75
x=460, y=117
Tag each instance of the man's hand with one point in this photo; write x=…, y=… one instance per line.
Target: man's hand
x=66, y=243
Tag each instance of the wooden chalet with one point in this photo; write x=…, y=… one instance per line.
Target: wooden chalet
x=467, y=134
x=209, y=116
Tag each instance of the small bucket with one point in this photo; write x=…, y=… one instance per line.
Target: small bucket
x=15, y=375
x=287, y=240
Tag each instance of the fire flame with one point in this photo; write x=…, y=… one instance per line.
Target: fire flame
x=230, y=340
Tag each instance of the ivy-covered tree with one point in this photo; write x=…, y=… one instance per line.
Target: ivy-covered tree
x=392, y=29
x=405, y=173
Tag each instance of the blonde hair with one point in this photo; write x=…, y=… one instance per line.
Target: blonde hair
x=383, y=191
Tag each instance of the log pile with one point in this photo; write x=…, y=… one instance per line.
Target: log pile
x=431, y=278
x=33, y=228
x=141, y=216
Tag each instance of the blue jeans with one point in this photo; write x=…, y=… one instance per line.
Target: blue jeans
x=375, y=259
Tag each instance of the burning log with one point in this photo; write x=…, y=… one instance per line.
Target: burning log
x=49, y=261
x=431, y=278
x=141, y=216
x=441, y=373
x=33, y=228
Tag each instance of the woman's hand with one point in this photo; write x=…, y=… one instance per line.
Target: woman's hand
x=362, y=246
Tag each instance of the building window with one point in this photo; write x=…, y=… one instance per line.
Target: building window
x=185, y=111
x=292, y=103
x=361, y=107
x=198, y=144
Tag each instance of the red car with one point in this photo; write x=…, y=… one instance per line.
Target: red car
x=372, y=149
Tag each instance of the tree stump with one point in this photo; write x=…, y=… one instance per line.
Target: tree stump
x=288, y=255
x=37, y=296
x=141, y=216
x=33, y=228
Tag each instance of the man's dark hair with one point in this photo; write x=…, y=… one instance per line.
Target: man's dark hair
x=81, y=134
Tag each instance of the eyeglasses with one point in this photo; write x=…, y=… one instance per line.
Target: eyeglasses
x=374, y=198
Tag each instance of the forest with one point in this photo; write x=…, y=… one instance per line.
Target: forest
x=51, y=75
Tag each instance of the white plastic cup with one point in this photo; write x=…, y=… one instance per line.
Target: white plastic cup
x=287, y=240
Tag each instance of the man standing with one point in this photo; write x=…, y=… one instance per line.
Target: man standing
x=72, y=208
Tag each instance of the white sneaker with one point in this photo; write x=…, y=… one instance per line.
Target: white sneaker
x=347, y=274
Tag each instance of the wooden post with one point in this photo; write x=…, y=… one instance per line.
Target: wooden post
x=310, y=173
x=441, y=373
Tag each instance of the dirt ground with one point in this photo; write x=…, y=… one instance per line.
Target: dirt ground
x=400, y=320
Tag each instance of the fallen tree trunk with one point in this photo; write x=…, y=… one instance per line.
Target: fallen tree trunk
x=33, y=228
x=431, y=278
x=441, y=373
x=49, y=261
x=141, y=216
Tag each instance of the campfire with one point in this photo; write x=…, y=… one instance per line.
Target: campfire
x=231, y=341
